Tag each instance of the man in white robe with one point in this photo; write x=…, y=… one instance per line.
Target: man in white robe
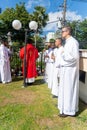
x=56, y=71
x=69, y=78
x=50, y=66
x=5, y=73
x=46, y=60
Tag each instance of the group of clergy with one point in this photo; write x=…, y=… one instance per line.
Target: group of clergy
x=62, y=72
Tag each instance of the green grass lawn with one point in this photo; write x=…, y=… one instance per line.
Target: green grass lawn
x=33, y=108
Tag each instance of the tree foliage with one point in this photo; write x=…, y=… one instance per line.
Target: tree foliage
x=80, y=32
x=20, y=13
x=40, y=16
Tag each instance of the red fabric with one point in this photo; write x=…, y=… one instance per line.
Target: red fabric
x=31, y=56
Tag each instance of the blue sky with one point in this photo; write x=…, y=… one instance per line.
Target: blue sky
x=76, y=9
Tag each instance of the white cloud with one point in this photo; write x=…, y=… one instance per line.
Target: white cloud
x=32, y=3
x=73, y=16
x=53, y=16
x=56, y=15
x=29, y=4
x=53, y=20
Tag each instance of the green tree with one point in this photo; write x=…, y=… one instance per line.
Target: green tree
x=80, y=32
x=11, y=14
x=20, y=13
x=40, y=16
x=40, y=43
x=2, y=26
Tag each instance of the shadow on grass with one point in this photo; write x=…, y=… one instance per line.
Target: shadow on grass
x=18, y=78
x=37, y=81
x=82, y=107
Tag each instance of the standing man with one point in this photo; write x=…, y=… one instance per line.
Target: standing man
x=5, y=72
x=56, y=71
x=69, y=79
x=31, y=56
x=50, y=65
x=46, y=60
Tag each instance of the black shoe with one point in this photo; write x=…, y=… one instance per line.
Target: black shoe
x=29, y=84
x=72, y=115
x=63, y=115
x=54, y=96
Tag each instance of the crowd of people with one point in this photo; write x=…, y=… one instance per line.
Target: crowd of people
x=61, y=69
x=62, y=72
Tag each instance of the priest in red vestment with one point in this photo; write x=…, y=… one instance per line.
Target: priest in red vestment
x=31, y=56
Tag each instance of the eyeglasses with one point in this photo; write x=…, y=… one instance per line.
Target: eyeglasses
x=64, y=31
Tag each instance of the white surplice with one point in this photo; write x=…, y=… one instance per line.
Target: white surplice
x=46, y=66
x=5, y=73
x=50, y=69
x=69, y=78
x=56, y=71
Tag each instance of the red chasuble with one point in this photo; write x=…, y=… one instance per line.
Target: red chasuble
x=31, y=56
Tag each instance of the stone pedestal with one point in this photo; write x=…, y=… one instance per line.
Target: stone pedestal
x=83, y=75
